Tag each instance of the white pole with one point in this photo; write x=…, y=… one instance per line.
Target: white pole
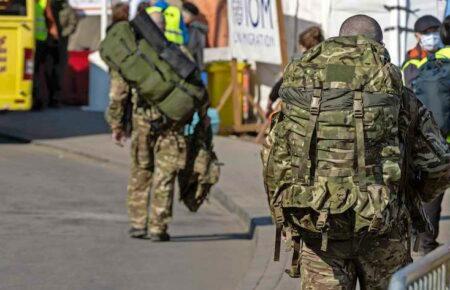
x=403, y=34
x=103, y=19
x=394, y=34
x=325, y=17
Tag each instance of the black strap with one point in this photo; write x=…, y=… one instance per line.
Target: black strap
x=294, y=272
x=278, y=231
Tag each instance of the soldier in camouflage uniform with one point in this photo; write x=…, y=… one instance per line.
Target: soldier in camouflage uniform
x=339, y=157
x=156, y=158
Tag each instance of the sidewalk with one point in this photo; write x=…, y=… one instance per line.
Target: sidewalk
x=240, y=188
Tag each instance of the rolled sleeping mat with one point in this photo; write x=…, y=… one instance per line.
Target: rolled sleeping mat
x=146, y=28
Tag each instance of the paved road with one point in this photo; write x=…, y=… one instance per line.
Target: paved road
x=63, y=226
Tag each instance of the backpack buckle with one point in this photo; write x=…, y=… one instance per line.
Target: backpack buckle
x=358, y=109
x=278, y=215
x=375, y=223
x=315, y=105
x=322, y=219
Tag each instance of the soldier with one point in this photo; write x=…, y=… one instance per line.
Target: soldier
x=340, y=156
x=157, y=154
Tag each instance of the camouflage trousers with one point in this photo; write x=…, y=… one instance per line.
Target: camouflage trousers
x=371, y=260
x=156, y=160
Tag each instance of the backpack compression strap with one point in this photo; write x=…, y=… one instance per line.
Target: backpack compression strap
x=304, y=160
x=358, y=109
x=294, y=272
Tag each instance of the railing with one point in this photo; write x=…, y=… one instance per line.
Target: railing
x=431, y=272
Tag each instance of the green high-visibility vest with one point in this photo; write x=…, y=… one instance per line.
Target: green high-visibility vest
x=40, y=23
x=443, y=53
x=172, y=18
x=414, y=61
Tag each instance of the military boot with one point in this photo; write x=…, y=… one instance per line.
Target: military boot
x=160, y=237
x=138, y=233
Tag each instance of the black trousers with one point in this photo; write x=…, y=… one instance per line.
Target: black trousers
x=55, y=66
x=433, y=210
x=40, y=57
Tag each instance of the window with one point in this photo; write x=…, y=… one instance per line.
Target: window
x=13, y=7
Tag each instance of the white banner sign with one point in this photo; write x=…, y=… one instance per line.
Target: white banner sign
x=253, y=28
x=89, y=7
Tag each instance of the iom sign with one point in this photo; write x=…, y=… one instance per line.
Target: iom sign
x=253, y=26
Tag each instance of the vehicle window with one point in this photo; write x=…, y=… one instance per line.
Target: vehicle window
x=13, y=7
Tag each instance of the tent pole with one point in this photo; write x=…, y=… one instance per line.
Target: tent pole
x=103, y=19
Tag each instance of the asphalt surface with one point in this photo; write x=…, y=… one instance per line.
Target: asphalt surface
x=64, y=226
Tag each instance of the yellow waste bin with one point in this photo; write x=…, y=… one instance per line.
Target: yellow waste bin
x=219, y=79
x=16, y=54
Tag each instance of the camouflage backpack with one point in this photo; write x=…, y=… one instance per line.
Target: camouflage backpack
x=332, y=162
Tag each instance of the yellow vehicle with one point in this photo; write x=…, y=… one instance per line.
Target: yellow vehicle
x=17, y=43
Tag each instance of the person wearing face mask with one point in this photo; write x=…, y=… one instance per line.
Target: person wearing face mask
x=426, y=31
x=432, y=87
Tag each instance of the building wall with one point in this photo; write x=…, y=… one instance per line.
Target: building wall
x=215, y=14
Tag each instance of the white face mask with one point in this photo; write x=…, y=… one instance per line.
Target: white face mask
x=431, y=41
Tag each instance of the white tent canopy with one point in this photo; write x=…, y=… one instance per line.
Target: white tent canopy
x=396, y=17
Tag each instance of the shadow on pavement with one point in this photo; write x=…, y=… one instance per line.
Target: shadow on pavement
x=214, y=237
x=255, y=222
x=4, y=139
x=53, y=123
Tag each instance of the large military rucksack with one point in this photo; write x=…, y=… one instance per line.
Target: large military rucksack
x=338, y=134
x=432, y=87
x=160, y=72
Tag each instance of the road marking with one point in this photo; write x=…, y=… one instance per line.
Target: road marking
x=72, y=215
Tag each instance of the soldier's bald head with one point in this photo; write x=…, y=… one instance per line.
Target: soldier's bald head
x=362, y=25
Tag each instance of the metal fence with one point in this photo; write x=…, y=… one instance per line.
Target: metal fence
x=431, y=272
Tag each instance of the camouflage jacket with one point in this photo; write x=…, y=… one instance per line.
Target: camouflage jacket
x=430, y=153
x=121, y=97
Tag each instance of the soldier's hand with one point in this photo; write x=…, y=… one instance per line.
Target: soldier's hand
x=53, y=31
x=119, y=137
x=206, y=121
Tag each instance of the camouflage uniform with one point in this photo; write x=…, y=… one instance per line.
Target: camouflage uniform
x=156, y=158
x=343, y=201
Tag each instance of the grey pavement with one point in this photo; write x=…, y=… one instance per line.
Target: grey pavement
x=64, y=226
x=240, y=189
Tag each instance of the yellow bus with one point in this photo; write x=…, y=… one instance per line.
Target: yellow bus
x=17, y=43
